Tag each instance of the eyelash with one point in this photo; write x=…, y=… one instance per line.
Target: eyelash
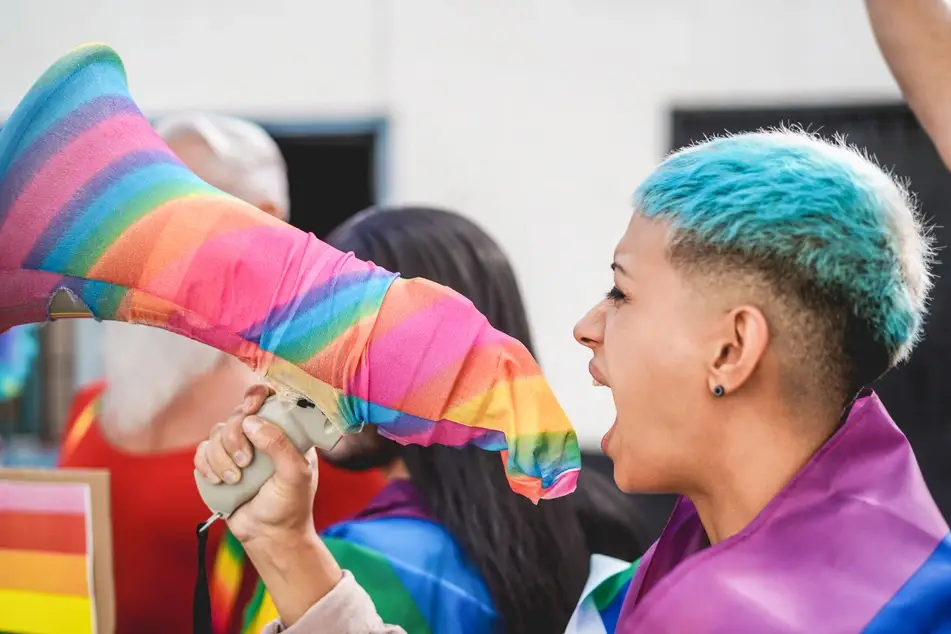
x=615, y=295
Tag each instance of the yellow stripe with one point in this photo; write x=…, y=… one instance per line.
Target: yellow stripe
x=34, y=613
x=228, y=568
x=265, y=614
x=529, y=399
x=83, y=422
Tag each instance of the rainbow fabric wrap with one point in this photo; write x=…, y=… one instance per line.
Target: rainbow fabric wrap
x=93, y=202
x=18, y=348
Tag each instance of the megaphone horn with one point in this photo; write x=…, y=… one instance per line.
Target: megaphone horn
x=98, y=217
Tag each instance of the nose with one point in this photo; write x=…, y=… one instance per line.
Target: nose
x=589, y=331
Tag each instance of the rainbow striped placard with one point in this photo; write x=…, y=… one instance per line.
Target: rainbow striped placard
x=46, y=558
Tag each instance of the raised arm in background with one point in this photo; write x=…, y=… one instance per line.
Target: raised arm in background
x=915, y=39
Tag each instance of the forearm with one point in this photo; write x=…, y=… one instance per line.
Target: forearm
x=298, y=572
x=915, y=39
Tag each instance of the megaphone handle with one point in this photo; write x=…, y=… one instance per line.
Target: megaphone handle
x=305, y=427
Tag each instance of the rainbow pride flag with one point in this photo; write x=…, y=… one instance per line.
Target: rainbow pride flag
x=95, y=206
x=415, y=573
x=600, y=606
x=46, y=565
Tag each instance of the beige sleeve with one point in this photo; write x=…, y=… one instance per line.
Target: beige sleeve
x=347, y=609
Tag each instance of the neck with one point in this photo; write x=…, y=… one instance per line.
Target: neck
x=752, y=467
x=396, y=470
x=188, y=417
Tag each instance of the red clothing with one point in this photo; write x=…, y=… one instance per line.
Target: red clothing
x=155, y=509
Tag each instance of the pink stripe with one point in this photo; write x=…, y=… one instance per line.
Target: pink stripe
x=413, y=346
x=64, y=174
x=445, y=432
x=278, y=265
x=24, y=296
x=43, y=497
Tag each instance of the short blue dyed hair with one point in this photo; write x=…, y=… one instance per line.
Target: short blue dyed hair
x=821, y=210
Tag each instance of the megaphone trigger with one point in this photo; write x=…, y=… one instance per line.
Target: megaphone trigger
x=306, y=427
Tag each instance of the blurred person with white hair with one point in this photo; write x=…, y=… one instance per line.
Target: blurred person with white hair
x=144, y=420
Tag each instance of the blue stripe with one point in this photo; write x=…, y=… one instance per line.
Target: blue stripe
x=338, y=307
x=118, y=194
x=445, y=586
x=612, y=612
x=923, y=604
x=281, y=315
x=39, y=96
x=92, y=82
x=99, y=297
x=51, y=141
x=87, y=195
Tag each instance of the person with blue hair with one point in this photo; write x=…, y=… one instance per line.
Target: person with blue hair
x=764, y=281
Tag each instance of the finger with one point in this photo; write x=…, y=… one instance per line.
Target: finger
x=202, y=466
x=254, y=398
x=219, y=459
x=234, y=441
x=290, y=464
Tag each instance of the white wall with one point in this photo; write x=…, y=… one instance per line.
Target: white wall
x=536, y=117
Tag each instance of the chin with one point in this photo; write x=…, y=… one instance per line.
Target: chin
x=634, y=476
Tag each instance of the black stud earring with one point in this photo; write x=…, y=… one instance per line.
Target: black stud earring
x=718, y=391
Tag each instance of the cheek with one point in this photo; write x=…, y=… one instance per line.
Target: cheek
x=653, y=366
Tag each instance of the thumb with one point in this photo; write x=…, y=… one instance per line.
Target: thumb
x=290, y=465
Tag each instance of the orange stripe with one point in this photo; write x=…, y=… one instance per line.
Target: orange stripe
x=46, y=573
x=171, y=233
x=49, y=532
x=78, y=431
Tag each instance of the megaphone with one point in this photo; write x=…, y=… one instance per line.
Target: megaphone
x=98, y=218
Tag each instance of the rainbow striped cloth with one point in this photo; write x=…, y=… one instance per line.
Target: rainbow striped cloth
x=853, y=543
x=414, y=571
x=18, y=349
x=46, y=567
x=608, y=582
x=94, y=204
x=419, y=579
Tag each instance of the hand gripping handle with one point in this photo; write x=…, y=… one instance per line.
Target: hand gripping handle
x=305, y=426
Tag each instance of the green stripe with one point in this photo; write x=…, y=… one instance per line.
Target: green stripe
x=608, y=589
x=393, y=601
x=142, y=203
x=254, y=606
x=233, y=545
x=373, y=572
x=302, y=348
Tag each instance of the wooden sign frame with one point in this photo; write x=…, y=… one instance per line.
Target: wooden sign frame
x=103, y=576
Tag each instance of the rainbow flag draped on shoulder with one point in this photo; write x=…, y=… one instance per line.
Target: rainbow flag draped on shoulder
x=854, y=543
x=603, y=595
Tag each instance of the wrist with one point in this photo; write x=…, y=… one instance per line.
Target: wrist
x=281, y=546
x=297, y=570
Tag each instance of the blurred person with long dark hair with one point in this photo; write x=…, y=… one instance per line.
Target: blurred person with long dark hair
x=470, y=555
